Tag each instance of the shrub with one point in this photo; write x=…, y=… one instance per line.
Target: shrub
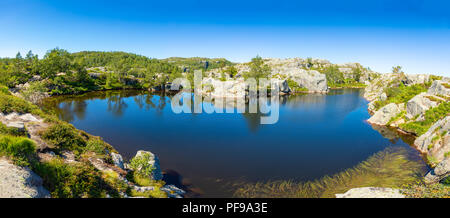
x=71, y=180
x=18, y=148
x=11, y=130
x=64, y=136
x=431, y=116
x=96, y=145
x=400, y=94
x=141, y=166
x=10, y=103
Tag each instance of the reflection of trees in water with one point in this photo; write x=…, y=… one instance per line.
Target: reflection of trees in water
x=116, y=105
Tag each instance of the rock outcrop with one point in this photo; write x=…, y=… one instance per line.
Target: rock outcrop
x=148, y=159
x=310, y=79
x=419, y=104
x=440, y=88
x=411, y=79
x=436, y=141
x=439, y=173
x=20, y=182
x=385, y=114
x=371, y=192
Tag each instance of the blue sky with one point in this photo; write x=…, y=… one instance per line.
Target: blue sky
x=379, y=34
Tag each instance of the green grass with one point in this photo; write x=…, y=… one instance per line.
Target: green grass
x=431, y=116
x=388, y=168
x=19, y=149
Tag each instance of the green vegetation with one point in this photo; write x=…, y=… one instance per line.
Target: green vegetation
x=198, y=63
x=19, y=149
x=62, y=72
x=431, y=116
x=400, y=94
x=421, y=190
x=388, y=168
x=71, y=180
x=295, y=87
x=65, y=136
x=336, y=79
x=62, y=179
x=140, y=165
x=257, y=69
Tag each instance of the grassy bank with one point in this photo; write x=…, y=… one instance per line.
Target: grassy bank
x=388, y=168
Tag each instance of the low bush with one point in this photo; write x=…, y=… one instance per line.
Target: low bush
x=10, y=103
x=64, y=136
x=71, y=180
x=19, y=149
x=431, y=116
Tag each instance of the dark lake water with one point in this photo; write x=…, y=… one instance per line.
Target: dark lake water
x=316, y=135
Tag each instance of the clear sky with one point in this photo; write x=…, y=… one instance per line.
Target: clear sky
x=379, y=34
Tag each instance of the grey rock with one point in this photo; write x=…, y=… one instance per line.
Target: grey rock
x=173, y=191
x=384, y=115
x=440, y=172
x=411, y=79
x=18, y=125
x=438, y=88
x=117, y=160
x=28, y=118
x=419, y=104
x=312, y=80
x=20, y=182
x=383, y=97
x=435, y=148
x=371, y=192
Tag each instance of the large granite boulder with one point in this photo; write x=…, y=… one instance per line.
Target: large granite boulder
x=436, y=141
x=20, y=182
x=371, y=192
x=411, y=79
x=419, y=104
x=225, y=89
x=146, y=161
x=384, y=115
x=310, y=79
x=439, y=88
x=440, y=172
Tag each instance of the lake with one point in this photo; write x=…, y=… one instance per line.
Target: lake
x=316, y=135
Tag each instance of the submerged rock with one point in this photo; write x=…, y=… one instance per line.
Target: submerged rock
x=371, y=192
x=20, y=182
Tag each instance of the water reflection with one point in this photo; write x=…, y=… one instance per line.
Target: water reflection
x=316, y=135
x=69, y=108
